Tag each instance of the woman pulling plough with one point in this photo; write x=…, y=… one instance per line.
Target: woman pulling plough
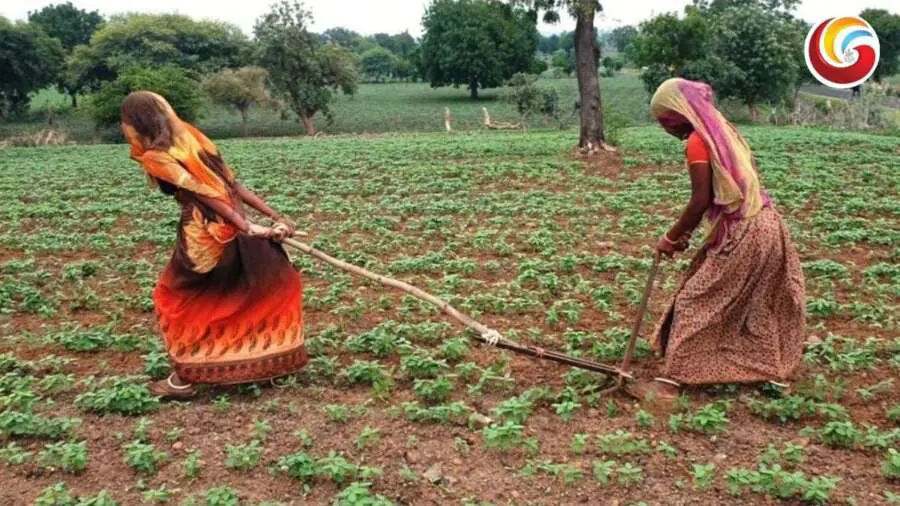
x=229, y=303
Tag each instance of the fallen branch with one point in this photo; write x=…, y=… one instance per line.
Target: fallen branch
x=484, y=334
x=498, y=126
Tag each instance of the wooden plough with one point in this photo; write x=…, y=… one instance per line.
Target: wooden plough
x=490, y=336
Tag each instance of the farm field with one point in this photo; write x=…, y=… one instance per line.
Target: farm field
x=511, y=228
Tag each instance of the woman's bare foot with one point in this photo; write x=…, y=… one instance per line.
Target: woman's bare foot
x=173, y=387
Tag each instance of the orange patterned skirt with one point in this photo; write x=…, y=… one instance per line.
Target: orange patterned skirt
x=239, y=319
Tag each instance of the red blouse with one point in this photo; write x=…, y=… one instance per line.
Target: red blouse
x=696, y=151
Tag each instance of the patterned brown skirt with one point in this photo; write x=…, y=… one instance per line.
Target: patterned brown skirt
x=739, y=315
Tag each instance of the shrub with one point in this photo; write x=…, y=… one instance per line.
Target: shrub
x=182, y=92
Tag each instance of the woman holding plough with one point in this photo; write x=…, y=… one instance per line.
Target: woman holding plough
x=229, y=302
x=739, y=313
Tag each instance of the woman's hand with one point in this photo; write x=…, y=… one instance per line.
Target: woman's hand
x=669, y=247
x=260, y=231
x=287, y=226
x=665, y=246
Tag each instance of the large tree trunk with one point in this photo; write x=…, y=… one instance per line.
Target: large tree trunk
x=74, y=99
x=473, y=88
x=307, y=120
x=588, y=83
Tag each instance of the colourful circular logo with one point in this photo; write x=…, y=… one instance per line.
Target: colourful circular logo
x=842, y=52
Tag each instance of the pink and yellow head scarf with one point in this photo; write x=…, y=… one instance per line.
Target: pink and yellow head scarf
x=736, y=190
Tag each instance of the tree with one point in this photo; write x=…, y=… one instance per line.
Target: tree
x=172, y=83
x=154, y=41
x=587, y=55
x=29, y=61
x=670, y=40
x=384, y=40
x=622, y=36
x=307, y=72
x=239, y=88
x=548, y=45
x=757, y=47
x=72, y=27
x=669, y=45
x=777, y=7
x=85, y=70
x=346, y=38
x=404, y=69
x=567, y=41
x=378, y=63
x=562, y=61
x=476, y=43
x=887, y=26
x=751, y=50
x=538, y=66
x=403, y=44
x=611, y=66
x=531, y=99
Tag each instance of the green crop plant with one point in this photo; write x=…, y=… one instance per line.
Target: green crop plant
x=118, y=396
x=143, y=457
x=70, y=457
x=243, y=457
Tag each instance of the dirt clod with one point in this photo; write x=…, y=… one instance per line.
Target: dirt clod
x=434, y=474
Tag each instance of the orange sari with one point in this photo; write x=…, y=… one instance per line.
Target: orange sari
x=229, y=305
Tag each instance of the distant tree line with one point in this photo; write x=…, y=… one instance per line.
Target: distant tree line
x=748, y=49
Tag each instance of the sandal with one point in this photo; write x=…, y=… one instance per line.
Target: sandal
x=166, y=389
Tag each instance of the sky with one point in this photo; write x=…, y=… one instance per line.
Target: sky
x=394, y=16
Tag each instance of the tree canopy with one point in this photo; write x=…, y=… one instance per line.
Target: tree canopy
x=622, y=36
x=71, y=25
x=887, y=26
x=303, y=69
x=152, y=40
x=238, y=88
x=747, y=49
x=29, y=60
x=760, y=62
x=378, y=63
x=476, y=43
x=172, y=83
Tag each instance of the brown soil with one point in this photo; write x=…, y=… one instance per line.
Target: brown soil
x=481, y=474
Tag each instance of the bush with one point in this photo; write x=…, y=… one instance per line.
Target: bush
x=538, y=66
x=531, y=99
x=611, y=66
x=182, y=92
